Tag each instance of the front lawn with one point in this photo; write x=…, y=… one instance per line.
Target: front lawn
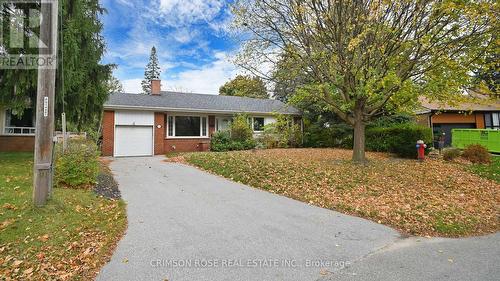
x=421, y=198
x=68, y=239
x=491, y=171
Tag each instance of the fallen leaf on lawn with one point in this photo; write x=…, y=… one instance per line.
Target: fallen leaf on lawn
x=28, y=271
x=44, y=238
x=9, y=206
x=6, y=223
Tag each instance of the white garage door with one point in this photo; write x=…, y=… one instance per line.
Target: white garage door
x=133, y=140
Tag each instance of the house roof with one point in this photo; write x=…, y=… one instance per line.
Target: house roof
x=485, y=105
x=176, y=101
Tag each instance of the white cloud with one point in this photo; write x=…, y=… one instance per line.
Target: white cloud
x=132, y=86
x=184, y=35
x=205, y=80
x=182, y=12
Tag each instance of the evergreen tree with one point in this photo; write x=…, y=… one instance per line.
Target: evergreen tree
x=85, y=78
x=114, y=85
x=152, y=72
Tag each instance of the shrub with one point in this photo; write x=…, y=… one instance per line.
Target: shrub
x=337, y=135
x=240, y=129
x=399, y=139
x=281, y=134
x=449, y=154
x=224, y=141
x=220, y=141
x=477, y=153
x=78, y=167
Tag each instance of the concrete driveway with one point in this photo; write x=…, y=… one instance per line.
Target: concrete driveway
x=185, y=224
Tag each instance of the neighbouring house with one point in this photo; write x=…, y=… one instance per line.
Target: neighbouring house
x=443, y=118
x=17, y=130
x=142, y=125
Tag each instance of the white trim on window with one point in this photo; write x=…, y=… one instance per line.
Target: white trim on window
x=253, y=123
x=7, y=129
x=171, y=135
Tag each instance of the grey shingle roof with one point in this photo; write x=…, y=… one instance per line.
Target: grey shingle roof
x=175, y=101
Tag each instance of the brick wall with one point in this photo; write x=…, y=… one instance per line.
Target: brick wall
x=183, y=145
x=159, y=132
x=423, y=119
x=17, y=143
x=108, y=133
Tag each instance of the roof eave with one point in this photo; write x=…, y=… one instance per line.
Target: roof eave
x=190, y=110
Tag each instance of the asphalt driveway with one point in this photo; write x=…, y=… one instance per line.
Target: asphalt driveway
x=185, y=224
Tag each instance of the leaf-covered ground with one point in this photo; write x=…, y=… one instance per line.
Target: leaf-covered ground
x=68, y=239
x=433, y=198
x=491, y=171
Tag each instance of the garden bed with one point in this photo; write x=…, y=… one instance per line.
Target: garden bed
x=434, y=197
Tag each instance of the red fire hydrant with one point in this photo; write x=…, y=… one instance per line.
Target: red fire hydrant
x=421, y=150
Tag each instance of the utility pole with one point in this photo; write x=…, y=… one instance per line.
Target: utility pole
x=44, y=130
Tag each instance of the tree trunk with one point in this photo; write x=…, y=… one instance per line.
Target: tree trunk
x=358, y=154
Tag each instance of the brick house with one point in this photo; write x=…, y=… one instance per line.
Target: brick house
x=17, y=130
x=141, y=125
x=443, y=118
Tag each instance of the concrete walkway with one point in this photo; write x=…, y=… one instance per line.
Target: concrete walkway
x=185, y=224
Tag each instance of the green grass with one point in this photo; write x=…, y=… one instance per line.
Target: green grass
x=491, y=171
x=75, y=226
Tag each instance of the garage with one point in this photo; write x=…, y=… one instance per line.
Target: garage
x=133, y=141
x=439, y=128
x=133, y=133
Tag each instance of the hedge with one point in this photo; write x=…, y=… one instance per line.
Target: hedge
x=399, y=139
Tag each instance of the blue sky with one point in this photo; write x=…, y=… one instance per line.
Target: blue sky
x=191, y=37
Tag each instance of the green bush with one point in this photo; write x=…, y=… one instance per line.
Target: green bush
x=477, y=154
x=281, y=134
x=78, y=167
x=337, y=135
x=220, y=141
x=399, y=139
x=449, y=154
x=224, y=140
x=240, y=129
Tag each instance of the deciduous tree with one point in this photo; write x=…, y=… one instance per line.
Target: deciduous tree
x=367, y=57
x=245, y=86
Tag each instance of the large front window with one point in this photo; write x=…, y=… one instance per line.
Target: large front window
x=492, y=120
x=19, y=122
x=187, y=126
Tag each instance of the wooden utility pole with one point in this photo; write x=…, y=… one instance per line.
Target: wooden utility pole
x=44, y=131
